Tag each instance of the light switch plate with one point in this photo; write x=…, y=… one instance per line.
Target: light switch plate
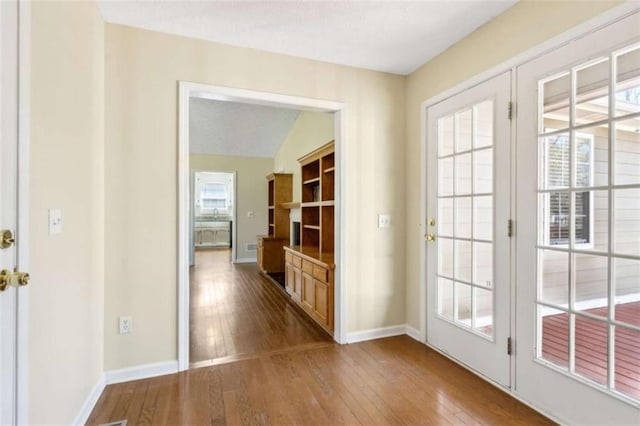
x=55, y=221
x=384, y=220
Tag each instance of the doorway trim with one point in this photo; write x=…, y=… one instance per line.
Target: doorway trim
x=189, y=89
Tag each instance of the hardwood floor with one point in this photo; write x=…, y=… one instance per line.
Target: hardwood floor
x=266, y=363
x=236, y=313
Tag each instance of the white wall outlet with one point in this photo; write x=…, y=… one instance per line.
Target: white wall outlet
x=125, y=325
x=250, y=214
x=384, y=220
x=55, y=221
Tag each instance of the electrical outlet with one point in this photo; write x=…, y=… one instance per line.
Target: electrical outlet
x=126, y=325
x=55, y=221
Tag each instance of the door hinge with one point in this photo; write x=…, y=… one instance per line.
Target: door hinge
x=510, y=108
x=508, y=345
x=510, y=228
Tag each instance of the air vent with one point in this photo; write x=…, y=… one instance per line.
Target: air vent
x=118, y=423
x=252, y=247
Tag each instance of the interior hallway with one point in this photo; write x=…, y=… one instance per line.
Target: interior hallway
x=236, y=313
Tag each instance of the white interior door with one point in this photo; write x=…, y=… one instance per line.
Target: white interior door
x=468, y=202
x=8, y=205
x=578, y=216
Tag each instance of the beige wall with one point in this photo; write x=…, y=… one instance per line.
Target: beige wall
x=66, y=172
x=251, y=192
x=142, y=72
x=310, y=131
x=521, y=27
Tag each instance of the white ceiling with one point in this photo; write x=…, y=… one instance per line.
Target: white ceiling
x=236, y=129
x=394, y=36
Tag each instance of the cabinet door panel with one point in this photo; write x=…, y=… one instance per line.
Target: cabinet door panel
x=297, y=284
x=308, y=291
x=289, y=278
x=321, y=296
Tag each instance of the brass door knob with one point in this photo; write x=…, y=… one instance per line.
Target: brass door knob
x=430, y=237
x=13, y=279
x=6, y=239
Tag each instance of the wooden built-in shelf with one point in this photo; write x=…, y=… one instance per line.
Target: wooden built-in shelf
x=316, y=227
x=269, y=250
x=289, y=206
x=310, y=181
x=329, y=170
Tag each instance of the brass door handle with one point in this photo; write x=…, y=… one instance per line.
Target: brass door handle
x=13, y=279
x=430, y=237
x=6, y=239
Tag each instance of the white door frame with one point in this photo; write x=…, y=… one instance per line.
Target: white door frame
x=23, y=39
x=615, y=14
x=219, y=93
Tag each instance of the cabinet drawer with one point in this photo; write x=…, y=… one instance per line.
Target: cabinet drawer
x=307, y=267
x=320, y=273
x=288, y=257
x=297, y=262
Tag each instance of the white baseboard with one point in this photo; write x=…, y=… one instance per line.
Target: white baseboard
x=415, y=334
x=90, y=402
x=138, y=372
x=246, y=260
x=376, y=333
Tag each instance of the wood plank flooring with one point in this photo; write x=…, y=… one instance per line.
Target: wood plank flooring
x=238, y=313
x=387, y=381
x=265, y=363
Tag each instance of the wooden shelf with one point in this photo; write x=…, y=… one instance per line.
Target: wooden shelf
x=270, y=207
x=289, y=206
x=310, y=181
x=330, y=170
x=269, y=249
x=316, y=227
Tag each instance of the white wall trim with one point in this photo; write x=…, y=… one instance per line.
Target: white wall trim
x=246, y=260
x=24, y=154
x=415, y=334
x=144, y=371
x=89, y=403
x=376, y=333
x=189, y=89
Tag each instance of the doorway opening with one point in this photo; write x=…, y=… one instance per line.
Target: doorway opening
x=233, y=337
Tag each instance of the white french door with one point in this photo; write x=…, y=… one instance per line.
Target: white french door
x=8, y=205
x=578, y=217
x=468, y=203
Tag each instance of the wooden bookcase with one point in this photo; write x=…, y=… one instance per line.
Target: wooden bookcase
x=309, y=268
x=280, y=193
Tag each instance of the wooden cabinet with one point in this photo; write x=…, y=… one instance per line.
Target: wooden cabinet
x=309, y=281
x=270, y=255
x=310, y=267
x=269, y=251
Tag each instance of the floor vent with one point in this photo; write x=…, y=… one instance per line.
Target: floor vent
x=252, y=247
x=118, y=423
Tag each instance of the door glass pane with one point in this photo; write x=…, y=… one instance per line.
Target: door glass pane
x=555, y=162
x=483, y=321
x=484, y=124
x=627, y=152
x=445, y=216
x=554, y=212
x=483, y=264
x=555, y=107
x=463, y=174
x=483, y=167
x=627, y=221
x=592, y=278
x=463, y=261
x=463, y=217
x=591, y=219
x=483, y=217
x=445, y=298
x=591, y=338
x=463, y=304
x=445, y=136
x=554, y=336
x=445, y=257
x=627, y=361
x=554, y=277
x=592, y=93
x=627, y=291
x=464, y=127
x=465, y=254
x=628, y=83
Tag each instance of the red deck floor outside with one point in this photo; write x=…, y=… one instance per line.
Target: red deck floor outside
x=591, y=346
